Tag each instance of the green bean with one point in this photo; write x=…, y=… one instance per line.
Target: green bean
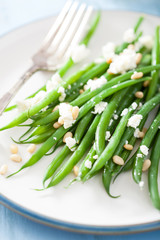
x=138, y=163
x=77, y=155
x=112, y=145
x=105, y=119
x=83, y=170
x=59, y=158
x=50, y=97
x=153, y=173
x=155, y=60
x=136, y=27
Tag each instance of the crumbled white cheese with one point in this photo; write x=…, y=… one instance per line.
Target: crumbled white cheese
x=79, y=53
x=95, y=157
x=144, y=149
x=54, y=82
x=100, y=107
x=88, y=164
x=123, y=62
x=110, y=123
x=61, y=90
x=129, y=35
x=108, y=50
x=139, y=155
x=141, y=184
x=27, y=103
x=126, y=142
x=124, y=112
x=108, y=134
x=134, y=121
x=65, y=112
x=94, y=84
x=54, y=138
x=115, y=116
x=134, y=105
x=146, y=41
x=70, y=142
x=136, y=133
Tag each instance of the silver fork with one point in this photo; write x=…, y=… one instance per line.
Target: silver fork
x=65, y=32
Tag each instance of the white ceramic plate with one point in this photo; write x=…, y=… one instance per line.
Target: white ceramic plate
x=84, y=207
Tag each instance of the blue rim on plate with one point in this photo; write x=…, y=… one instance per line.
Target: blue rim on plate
x=155, y=225
x=64, y=225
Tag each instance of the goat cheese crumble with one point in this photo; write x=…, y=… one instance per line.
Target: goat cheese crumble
x=134, y=121
x=100, y=107
x=108, y=50
x=54, y=82
x=70, y=142
x=144, y=149
x=124, y=112
x=134, y=105
x=61, y=90
x=65, y=112
x=79, y=53
x=88, y=164
x=129, y=35
x=139, y=155
x=95, y=157
x=94, y=84
x=123, y=62
x=108, y=135
x=136, y=133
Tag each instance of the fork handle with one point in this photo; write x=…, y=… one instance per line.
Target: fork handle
x=7, y=97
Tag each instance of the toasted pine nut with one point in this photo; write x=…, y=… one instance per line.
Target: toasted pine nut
x=138, y=58
x=55, y=108
x=139, y=94
x=128, y=147
x=146, y=83
x=131, y=46
x=57, y=125
x=68, y=134
x=3, y=169
x=144, y=130
x=118, y=160
x=109, y=60
x=75, y=112
x=141, y=134
x=31, y=148
x=146, y=165
x=16, y=158
x=137, y=75
x=14, y=148
x=81, y=91
x=75, y=170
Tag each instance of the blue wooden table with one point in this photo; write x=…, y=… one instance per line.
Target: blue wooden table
x=15, y=13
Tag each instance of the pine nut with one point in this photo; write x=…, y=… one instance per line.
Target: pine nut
x=81, y=91
x=55, y=108
x=16, y=158
x=3, y=169
x=57, y=125
x=146, y=83
x=137, y=75
x=75, y=112
x=128, y=147
x=68, y=134
x=118, y=160
x=139, y=94
x=138, y=58
x=75, y=170
x=109, y=60
x=141, y=134
x=31, y=148
x=146, y=165
x=14, y=148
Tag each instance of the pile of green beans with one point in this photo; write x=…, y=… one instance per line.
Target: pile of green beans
x=93, y=152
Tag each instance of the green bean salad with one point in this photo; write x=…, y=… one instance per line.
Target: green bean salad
x=97, y=115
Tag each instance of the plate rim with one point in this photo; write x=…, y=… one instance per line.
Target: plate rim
x=64, y=225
